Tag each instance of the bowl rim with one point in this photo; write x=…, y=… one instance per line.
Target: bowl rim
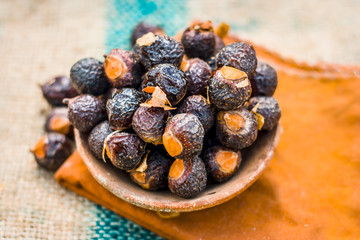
x=181, y=205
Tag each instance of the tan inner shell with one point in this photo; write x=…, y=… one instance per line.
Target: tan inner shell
x=38, y=149
x=114, y=67
x=172, y=145
x=232, y=73
x=147, y=39
x=226, y=160
x=234, y=121
x=176, y=169
x=60, y=125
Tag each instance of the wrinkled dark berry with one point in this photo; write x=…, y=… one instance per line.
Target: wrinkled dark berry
x=198, y=105
x=149, y=123
x=55, y=90
x=122, y=106
x=57, y=121
x=88, y=76
x=236, y=128
x=85, y=112
x=264, y=81
x=187, y=178
x=154, y=49
x=221, y=163
x=97, y=137
x=199, y=40
x=229, y=88
x=143, y=28
x=183, y=136
x=152, y=173
x=52, y=150
x=125, y=150
x=170, y=79
x=268, y=108
x=122, y=68
x=239, y=55
x=198, y=73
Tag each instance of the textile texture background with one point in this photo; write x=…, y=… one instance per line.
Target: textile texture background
x=40, y=39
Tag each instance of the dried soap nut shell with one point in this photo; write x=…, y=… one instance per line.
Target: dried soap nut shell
x=142, y=28
x=268, y=108
x=264, y=81
x=198, y=73
x=187, y=178
x=236, y=129
x=57, y=121
x=58, y=88
x=97, y=137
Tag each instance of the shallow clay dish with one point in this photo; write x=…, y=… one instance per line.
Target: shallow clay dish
x=255, y=160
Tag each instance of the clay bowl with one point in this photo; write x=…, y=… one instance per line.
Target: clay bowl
x=255, y=160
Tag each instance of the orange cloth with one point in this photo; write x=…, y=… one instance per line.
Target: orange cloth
x=311, y=189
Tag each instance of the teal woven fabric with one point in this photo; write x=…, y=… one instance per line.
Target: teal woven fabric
x=122, y=17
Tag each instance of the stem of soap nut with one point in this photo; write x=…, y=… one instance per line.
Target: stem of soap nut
x=168, y=215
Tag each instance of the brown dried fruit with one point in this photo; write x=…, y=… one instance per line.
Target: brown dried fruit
x=264, y=81
x=268, y=108
x=187, y=178
x=198, y=73
x=125, y=150
x=152, y=174
x=55, y=90
x=221, y=163
x=236, y=128
x=57, y=121
x=229, y=88
x=97, y=137
x=183, y=136
x=85, y=112
x=52, y=150
x=142, y=28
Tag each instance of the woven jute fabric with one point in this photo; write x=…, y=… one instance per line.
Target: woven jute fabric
x=40, y=39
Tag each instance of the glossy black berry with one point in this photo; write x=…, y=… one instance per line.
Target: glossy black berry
x=88, y=77
x=85, y=112
x=142, y=28
x=198, y=73
x=236, y=129
x=268, y=108
x=97, y=137
x=125, y=150
x=52, y=150
x=198, y=105
x=229, y=88
x=122, y=106
x=199, y=40
x=155, y=49
x=239, y=55
x=58, y=88
x=149, y=123
x=170, y=79
x=122, y=68
x=152, y=173
x=187, y=178
x=264, y=81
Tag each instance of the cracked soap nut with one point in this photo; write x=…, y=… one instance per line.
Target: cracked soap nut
x=221, y=163
x=125, y=150
x=57, y=121
x=149, y=123
x=199, y=40
x=170, y=79
x=85, y=112
x=88, y=77
x=239, y=55
x=58, y=88
x=122, y=106
x=198, y=73
x=97, y=137
x=52, y=150
x=183, y=136
x=122, y=69
x=236, y=129
x=152, y=173
x=229, y=88
x=142, y=28
x=201, y=108
x=187, y=178
x=264, y=81
x=154, y=49
x=268, y=108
